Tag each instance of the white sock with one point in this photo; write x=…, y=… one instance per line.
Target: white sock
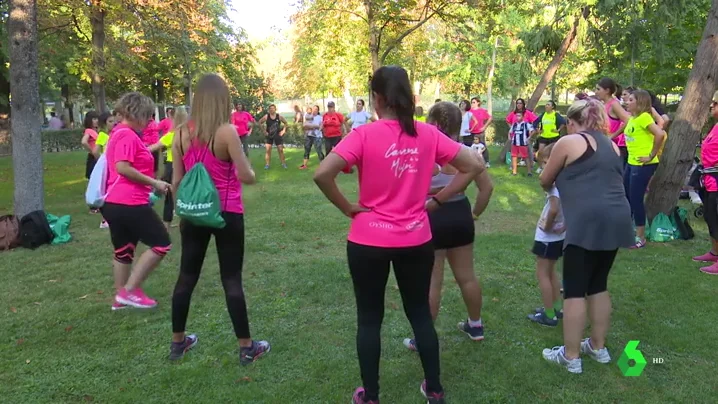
x=474, y=324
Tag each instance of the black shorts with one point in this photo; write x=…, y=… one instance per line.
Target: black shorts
x=330, y=143
x=552, y=250
x=547, y=141
x=585, y=272
x=89, y=165
x=452, y=225
x=274, y=140
x=132, y=224
x=710, y=212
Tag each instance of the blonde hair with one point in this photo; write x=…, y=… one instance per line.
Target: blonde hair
x=135, y=107
x=589, y=113
x=446, y=117
x=211, y=107
x=180, y=119
x=643, y=101
x=715, y=97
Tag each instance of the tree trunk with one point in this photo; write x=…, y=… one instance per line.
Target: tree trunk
x=162, y=104
x=374, y=37
x=507, y=145
x=4, y=88
x=26, y=118
x=97, y=20
x=685, y=130
x=556, y=61
x=490, y=79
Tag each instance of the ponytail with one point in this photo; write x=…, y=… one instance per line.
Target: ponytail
x=392, y=83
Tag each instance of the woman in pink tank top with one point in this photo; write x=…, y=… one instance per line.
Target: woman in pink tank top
x=608, y=91
x=210, y=139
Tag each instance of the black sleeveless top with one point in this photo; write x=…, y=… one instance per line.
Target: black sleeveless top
x=273, y=126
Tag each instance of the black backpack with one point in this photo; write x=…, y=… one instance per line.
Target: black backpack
x=681, y=221
x=35, y=230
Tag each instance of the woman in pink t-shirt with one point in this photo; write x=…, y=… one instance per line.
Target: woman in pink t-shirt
x=709, y=193
x=127, y=209
x=243, y=121
x=210, y=139
x=452, y=229
x=396, y=157
x=89, y=138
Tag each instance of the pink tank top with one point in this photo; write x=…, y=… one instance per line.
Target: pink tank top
x=223, y=174
x=614, y=124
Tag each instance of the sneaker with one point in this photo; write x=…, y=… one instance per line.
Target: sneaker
x=104, y=225
x=711, y=270
x=249, y=355
x=118, y=306
x=488, y=165
x=475, y=333
x=178, y=349
x=302, y=167
x=431, y=398
x=539, y=170
x=410, y=344
x=599, y=355
x=543, y=319
x=358, y=397
x=559, y=314
x=530, y=174
x=94, y=210
x=707, y=257
x=556, y=355
x=266, y=167
x=135, y=298
x=284, y=166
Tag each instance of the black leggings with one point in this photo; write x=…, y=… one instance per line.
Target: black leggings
x=169, y=208
x=230, y=250
x=369, y=267
x=585, y=272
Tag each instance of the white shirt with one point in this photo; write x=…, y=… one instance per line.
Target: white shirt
x=543, y=236
x=317, y=120
x=465, y=122
x=359, y=118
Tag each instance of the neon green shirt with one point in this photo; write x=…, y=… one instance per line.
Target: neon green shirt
x=420, y=118
x=166, y=140
x=102, y=139
x=639, y=140
x=548, y=125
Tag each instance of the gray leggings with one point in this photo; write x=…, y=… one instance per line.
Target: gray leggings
x=317, y=142
x=245, y=144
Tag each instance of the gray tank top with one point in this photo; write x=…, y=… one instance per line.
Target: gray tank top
x=595, y=207
x=441, y=180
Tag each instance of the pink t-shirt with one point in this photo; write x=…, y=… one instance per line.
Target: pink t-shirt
x=92, y=137
x=151, y=134
x=241, y=121
x=614, y=124
x=709, y=158
x=164, y=126
x=405, y=166
x=125, y=145
x=529, y=117
x=480, y=117
x=223, y=173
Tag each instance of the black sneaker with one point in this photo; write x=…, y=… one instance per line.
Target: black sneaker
x=559, y=314
x=475, y=333
x=543, y=319
x=178, y=349
x=249, y=355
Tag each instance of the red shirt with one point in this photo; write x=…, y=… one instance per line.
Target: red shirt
x=333, y=124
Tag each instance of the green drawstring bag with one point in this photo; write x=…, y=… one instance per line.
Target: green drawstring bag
x=198, y=199
x=60, y=227
x=662, y=229
x=508, y=158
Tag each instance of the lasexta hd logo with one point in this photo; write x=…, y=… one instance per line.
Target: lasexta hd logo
x=631, y=352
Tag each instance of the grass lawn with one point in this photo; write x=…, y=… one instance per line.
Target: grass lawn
x=59, y=341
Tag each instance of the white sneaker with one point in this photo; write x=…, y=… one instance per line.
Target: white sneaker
x=599, y=355
x=104, y=225
x=538, y=171
x=556, y=355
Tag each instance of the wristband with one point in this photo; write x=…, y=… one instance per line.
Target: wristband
x=436, y=200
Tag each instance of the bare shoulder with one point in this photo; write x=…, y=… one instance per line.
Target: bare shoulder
x=226, y=131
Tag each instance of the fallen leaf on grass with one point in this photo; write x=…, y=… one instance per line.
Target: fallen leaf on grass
x=99, y=292
x=20, y=341
x=495, y=299
x=88, y=398
x=27, y=361
x=68, y=328
x=282, y=224
x=253, y=273
x=394, y=306
x=283, y=294
x=245, y=379
x=84, y=297
x=12, y=309
x=52, y=280
x=38, y=303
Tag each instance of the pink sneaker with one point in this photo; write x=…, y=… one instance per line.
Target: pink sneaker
x=707, y=257
x=118, y=306
x=358, y=397
x=135, y=298
x=711, y=270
